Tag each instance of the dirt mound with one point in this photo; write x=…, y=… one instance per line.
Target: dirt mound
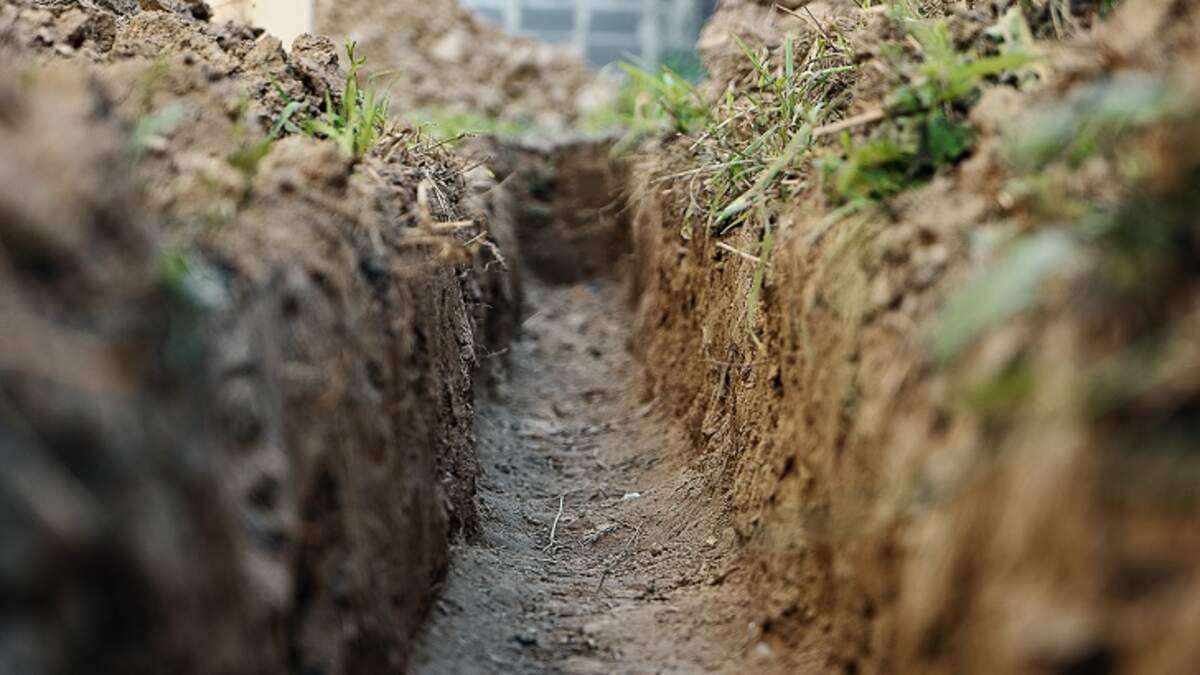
x=439, y=57
x=236, y=383
x=956, y=423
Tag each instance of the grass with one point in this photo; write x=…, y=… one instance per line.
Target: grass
x=250, y=151
x=651, y=102
x=359, y=119
x=1091, y=119
x=755, y=144
x=155, y=124
x=1010, y=287
x=758, y=147
x=759, y=139
x=925, y=124
x=153, y=121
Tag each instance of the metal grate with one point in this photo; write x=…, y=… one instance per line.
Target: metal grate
x=602, y=31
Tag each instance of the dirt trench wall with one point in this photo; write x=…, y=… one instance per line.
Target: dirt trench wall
x=904, y=515
x=235, y=407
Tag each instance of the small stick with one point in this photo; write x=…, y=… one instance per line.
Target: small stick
x=742, y=254
x=453, y=226
x=849, y=123
x=554, y=527
x=816, y=24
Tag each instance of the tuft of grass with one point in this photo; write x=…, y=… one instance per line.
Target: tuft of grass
x=650, y=102
x=925, y=126
x=359, y=119
x=763, y=136
x=249, y=152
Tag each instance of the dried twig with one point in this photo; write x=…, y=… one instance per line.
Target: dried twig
x=554, y=527
x=741, y=254
x=869, y=117
x=816, y=24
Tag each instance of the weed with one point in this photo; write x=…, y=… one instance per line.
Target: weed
x=924, y=127
x=359, y=119
x=651, y=102
x=153, y=121
x=1138, y=248
x=250, y=152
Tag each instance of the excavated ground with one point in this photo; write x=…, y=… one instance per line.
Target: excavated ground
x=639, y=576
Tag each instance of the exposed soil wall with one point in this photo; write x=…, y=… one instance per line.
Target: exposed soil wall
x=235, y=400
x=902, y=513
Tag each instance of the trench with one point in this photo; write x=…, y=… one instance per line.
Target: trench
x=600, y=548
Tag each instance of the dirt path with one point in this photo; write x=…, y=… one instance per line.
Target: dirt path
x=639, y=577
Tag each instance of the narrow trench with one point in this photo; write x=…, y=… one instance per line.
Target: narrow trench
x=638, y=575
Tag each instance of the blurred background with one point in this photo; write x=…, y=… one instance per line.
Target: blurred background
x=606, y=31
x=602, y=32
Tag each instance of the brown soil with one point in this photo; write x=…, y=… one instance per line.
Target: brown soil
x=636, y=584
x=436, y=56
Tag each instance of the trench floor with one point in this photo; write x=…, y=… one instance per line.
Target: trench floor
x=638, y=575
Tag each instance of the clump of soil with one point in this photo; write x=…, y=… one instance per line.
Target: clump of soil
x=906, y=507
x=235, y=395
x=439, y=57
